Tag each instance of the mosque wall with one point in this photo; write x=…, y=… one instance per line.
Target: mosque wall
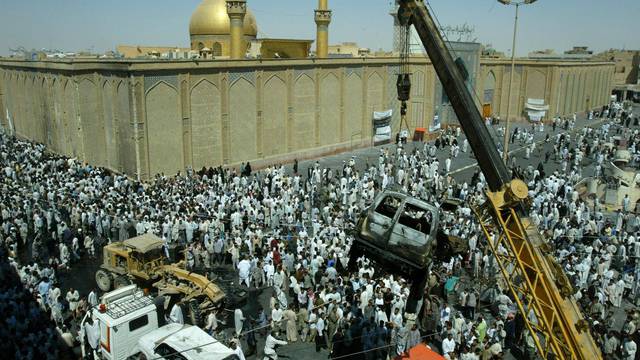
x=567, y=87
x=145, y=118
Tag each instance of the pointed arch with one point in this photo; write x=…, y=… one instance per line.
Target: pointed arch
x=304, y=103
x=272, y=77
x=207, y=82
x=375, y=91
x=216, y=49
x=489, y=88
x=274, y=112
x=536, y=84
x=353, y=107
x=161, y=82
x=329, y=110
x=164, y=130
x=206, y=124
x=243, y=119
x=93, y=132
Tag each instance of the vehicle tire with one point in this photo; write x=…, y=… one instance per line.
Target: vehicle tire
x=120, y=281
x=103, y=280
x=195, y=316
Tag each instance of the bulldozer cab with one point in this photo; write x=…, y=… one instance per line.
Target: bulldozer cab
x=137, y=256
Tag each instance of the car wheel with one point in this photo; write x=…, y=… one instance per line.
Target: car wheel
x=103, y=280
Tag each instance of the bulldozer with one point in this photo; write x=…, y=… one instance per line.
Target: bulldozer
x=141, y=261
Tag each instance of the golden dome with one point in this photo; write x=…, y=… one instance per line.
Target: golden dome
x=210, y=18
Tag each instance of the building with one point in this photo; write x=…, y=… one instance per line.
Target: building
x=280, y=48
x=566, y=86
x=576, y=53
x=138, y=51
x=210, y=28
x=579, y=50
x=145, y=117
x=348, y=49
x=627, y=72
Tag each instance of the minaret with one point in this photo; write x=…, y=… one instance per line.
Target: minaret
x=237, y=9
x=323, y=19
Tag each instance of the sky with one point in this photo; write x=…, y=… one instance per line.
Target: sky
x=76, y=25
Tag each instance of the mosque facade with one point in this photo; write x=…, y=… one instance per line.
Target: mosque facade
x=146, y=117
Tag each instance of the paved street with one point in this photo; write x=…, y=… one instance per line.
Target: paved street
x=463, y=168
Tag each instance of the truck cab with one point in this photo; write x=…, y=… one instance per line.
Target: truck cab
x=123, y=316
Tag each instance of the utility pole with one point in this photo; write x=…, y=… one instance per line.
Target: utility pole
x=507, y=134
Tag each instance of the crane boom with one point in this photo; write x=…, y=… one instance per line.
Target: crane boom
x=489, y=160
x=542, y=291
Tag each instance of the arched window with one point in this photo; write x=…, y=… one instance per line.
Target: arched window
x=489, y=88
x=216, y=50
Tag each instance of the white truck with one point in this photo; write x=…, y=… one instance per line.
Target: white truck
x=127, y=323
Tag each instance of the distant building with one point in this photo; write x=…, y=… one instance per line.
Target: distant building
x=137, y=51
x=280, y=48
x=348, y=49
x=210, y=28
x=579, y=50
x=576, y=53
x=489, y=52
x=626, y=73
x=627, y=65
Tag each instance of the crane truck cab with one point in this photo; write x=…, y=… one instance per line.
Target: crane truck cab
x=112, y=328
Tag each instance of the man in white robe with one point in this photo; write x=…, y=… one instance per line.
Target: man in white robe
x=175, y=316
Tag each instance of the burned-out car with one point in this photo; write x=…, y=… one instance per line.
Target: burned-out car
x=398, y=232
x=402, y=233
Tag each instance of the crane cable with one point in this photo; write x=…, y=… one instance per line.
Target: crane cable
x=403, y=83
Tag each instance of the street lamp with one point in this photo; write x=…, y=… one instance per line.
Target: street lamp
x=517, y=4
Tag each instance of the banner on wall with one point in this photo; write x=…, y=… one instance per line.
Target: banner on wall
x=383, y=135
x=382, y=115
x=536, y=109
x=382, y=126
x=435, y=124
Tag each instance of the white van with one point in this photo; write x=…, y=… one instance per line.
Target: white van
x=182, y=342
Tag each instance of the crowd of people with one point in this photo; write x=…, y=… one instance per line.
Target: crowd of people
x=289, y=234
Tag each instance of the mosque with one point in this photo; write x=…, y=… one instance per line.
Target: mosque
x=242, y=98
